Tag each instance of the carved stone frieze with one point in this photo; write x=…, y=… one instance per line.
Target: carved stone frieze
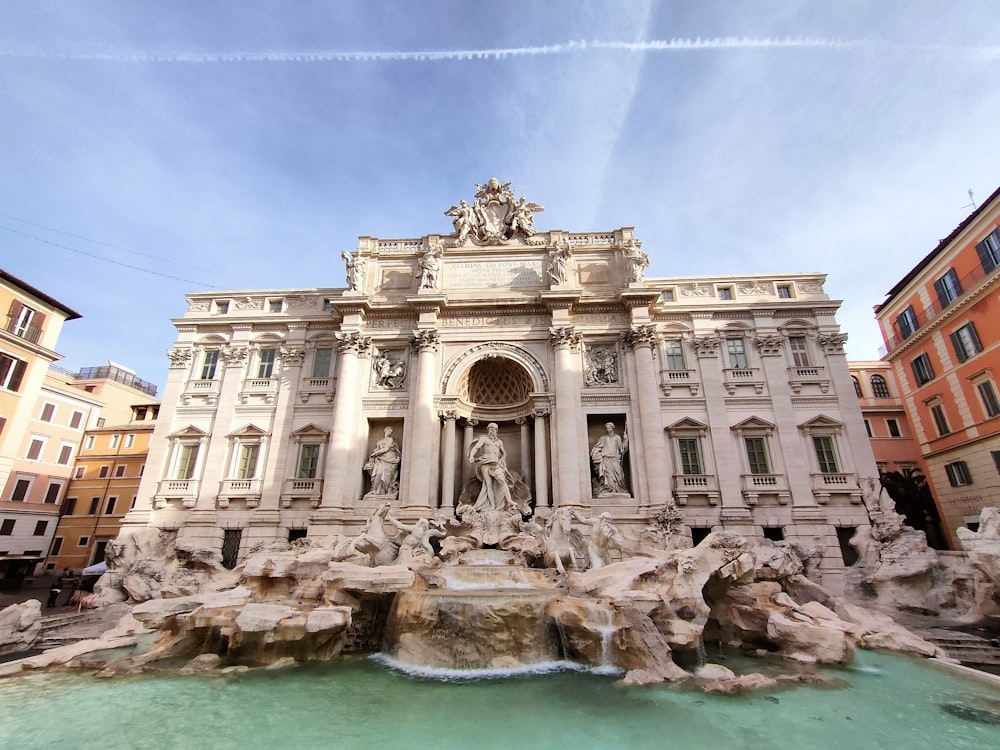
x=770, y=345
x=199, y=305
x=179, y=358
x=248, y=303
x=706, y=346
x=756, y=288
x=564, y=336
x=426, y=340
x=352, y=341
x=694, y=290
x=297, y=301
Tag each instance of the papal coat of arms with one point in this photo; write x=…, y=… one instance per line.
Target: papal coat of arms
x=495, y=216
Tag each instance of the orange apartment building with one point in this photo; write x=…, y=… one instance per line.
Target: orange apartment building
x=103, y=489
x=941, y=326
x=39, y=426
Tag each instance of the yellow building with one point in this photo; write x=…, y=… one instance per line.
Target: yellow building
x=103, y=489
x=27, y=498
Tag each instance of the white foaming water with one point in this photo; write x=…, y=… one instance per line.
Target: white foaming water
x=442, y=673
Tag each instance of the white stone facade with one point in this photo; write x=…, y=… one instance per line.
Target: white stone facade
x=734, y=392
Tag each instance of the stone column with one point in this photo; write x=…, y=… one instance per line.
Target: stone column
x=565, y=340
x=419, y=490
x=642, y=339
x=448, y=461
x=541, y=461
x=467, y=438
x=337, y=479
x=525, y=450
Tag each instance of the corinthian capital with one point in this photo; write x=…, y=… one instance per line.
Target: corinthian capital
x=426, y=340
x=352, y=341
x=640, y=336
x=564, y=336
x=833, y=343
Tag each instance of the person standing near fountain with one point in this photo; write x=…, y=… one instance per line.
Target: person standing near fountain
x=383, y=465
x=606, y=455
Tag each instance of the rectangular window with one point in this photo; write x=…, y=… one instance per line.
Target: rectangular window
x=321, y=362
x=995, y=455
x=95, y=505
x=231, y=547
x=948, y=289
x=308, y=461
x=989, y=251
x=922, y=370
x=21, y=321
x=690, y=455
x=674, y=350
x=21, y=487
x=209, y=363
x=35, y=449
x=109, y=509
x=725, y=292
x=825, y=454
x=940, y=420
x=129, y=441
x=958, y=474
x=7, y=527
x=327, y=304
x=784, y=291
x=221, y=306
x=757, y=455
x=274, y=306
x=104, y=471
x=247, y=465
x=989, y=396
x=56, y=546
x=83, y=541
x=893, y=426
x=737, y=354
x=113, y=441
x=40, y=527
x=120, y=470
x=52, y=493
x=868, y=428
x=140, y=414
x=906, y=322
x=81, y=472
x=65, y=455
x=265, y=367
x=186, y=459
x=48, y=411
x=68, y=506
x=11, y=372
x=89, y=445
x=667, y=295
x=76, y=420
x=3, y=423
x=965, y=341
x=800, y=351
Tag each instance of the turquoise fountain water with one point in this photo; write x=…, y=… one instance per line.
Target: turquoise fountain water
x=882, y=702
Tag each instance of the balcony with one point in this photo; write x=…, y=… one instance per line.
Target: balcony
x=824, y=486
x=204, y=390
x=967, y=284
x=755, y=485
x=743, y=376
x=28, y=333
x=239, y=489
x=684, y=378
x=302, y=489
x=686, y=485
x=259, y=389
x=185, y=490
x=801, y=376
x=321, y=387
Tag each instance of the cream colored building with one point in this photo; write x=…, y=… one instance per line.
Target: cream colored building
x=734, y=391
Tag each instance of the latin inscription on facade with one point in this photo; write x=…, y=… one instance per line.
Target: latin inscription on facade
x=517, y=274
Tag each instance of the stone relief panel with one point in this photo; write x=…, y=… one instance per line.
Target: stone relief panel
x=389, y=370
x=600, y=366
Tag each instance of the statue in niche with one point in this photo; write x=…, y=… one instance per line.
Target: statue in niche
x=355, y=270
x=503, y=497
x=430, y=264
x=383, y=466
x=558, y=263
x=637, y=260
x=388, y=373
x=602, y=366
x=606, y=456
x=604, y=538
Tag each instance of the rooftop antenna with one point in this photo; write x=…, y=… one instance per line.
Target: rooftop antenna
x=972, y=198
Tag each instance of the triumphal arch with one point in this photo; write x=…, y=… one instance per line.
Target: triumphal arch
x=496, y=359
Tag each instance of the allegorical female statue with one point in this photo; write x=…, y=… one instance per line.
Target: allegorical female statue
x=383, y=465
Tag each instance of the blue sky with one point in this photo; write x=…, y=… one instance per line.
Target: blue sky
x=152, y=149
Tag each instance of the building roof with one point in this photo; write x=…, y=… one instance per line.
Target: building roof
x=901, y=284
x=71, y=314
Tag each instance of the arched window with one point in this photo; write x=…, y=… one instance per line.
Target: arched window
x=879, y=387
x=857, y=385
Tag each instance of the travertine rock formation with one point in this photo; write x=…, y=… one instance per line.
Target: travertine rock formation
x=20, y=626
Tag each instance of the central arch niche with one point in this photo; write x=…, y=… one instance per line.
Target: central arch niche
x=496, y=381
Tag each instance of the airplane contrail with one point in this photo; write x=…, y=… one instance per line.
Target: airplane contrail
x=498, y=53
